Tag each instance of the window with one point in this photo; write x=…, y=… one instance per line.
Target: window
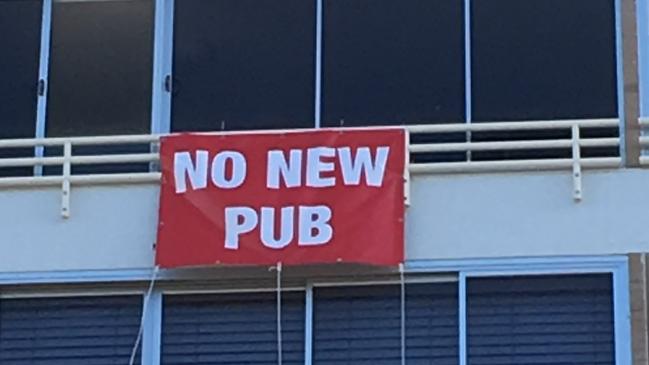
x=100, y=68
x=20, y=37
x=69, y=331
x=393, y=62
x=362, y=324
x=233, y=328
x=100, y=75
x=564, y=319
x=543, y=59
x=243, y=64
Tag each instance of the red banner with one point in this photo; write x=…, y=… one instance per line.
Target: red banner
x=320, y=196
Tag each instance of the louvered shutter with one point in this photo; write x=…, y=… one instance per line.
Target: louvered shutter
x=232, y=329
x=548, y=320
x=362, y=324
x=69, y=331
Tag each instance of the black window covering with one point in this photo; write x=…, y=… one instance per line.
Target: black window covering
x=20, y=38
x=362, y=324
x=550, y=320
x=239, y=328
x=243, y=64
x=393, y=62
x=69, y=331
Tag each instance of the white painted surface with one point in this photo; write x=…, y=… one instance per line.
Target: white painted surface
x=509, y=215
x=109, y=228
x=450, y=217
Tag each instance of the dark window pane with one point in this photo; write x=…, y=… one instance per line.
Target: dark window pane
x=233, y=329
x=543, y=59
x=243, y=64
x=549, y=320
x=362, y=324
x=393, y=62
x=100, y=68
x=20, y=37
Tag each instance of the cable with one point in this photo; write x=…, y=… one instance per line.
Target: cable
x=145, y=306
x=403, y=314
x=279, y=313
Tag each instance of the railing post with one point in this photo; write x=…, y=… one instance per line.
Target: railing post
x=65, y=188
x=576, y=164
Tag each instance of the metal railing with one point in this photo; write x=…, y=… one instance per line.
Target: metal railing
x=644, y=141
x=570, y=143
x=573, y=144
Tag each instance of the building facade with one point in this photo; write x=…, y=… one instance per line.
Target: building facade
x=525, y=233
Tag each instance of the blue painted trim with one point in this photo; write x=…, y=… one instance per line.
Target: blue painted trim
x=468, y=97
x=43, y=73
x=622, y=315
x=318, y=65
x=566, y=263
x=643, y=55
x=159, y=69
x=162, y=66
x=462, y=323
x=152, y=334
x=620, y=78
x=75, y=276
x=308, y=324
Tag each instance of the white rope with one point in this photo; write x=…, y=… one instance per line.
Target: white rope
x=279, y=313
x=145, y=306
x=403, y=314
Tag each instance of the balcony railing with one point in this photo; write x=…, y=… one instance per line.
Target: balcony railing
x=434, y=149
x=644, y=141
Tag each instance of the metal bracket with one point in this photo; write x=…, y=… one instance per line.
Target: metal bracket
x=576, y=165
x=65, y=188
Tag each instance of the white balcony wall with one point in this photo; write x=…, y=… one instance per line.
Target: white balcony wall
x=451, y=217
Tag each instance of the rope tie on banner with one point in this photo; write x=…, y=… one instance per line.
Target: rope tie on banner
x=145, y=306
x=402, y=281
x=279, y=313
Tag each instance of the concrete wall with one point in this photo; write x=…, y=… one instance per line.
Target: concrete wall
x=109, y=228
x=504, y=215
x=451, y=217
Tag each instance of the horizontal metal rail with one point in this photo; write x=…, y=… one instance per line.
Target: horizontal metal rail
x=67, y=159
x=644, y=142
x=513, y=126
x=512, y=145
x=97, y=179
x=512, y=165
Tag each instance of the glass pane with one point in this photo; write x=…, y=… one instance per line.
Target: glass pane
x=100, y=68
x=243, y=64
x=543, y=59
x=393, y=62
x=20, y=37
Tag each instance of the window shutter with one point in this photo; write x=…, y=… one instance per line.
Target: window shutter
x=548, y=320
x=362, y=324
x=69, y=331
x=232, y=329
